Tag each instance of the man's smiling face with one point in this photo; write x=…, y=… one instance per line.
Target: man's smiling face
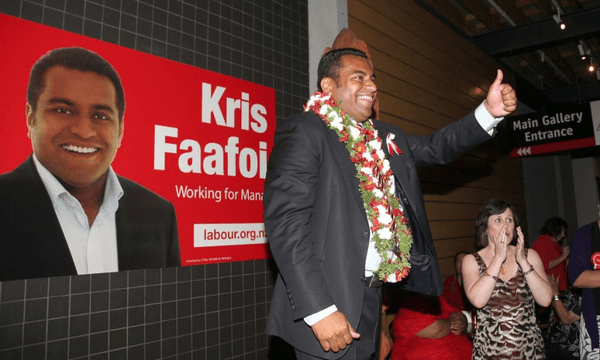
x=75, y=129
x=355, y=87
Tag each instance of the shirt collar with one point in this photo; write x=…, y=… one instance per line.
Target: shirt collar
x=112, y=191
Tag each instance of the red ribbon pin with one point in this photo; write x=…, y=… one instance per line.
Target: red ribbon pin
x=391, y=145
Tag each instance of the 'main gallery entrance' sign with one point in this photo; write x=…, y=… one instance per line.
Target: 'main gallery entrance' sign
x=552, y=131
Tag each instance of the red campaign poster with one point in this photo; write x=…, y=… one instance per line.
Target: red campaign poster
x=198, y=138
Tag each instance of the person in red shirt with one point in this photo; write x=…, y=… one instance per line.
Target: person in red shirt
x=427, y=327
x=552, y=254
x=454, y=292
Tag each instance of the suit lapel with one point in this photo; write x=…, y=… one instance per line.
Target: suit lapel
x=397, y=162
x=49, y=247
x=401, y=168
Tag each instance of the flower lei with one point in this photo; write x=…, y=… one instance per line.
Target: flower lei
x=390, y=233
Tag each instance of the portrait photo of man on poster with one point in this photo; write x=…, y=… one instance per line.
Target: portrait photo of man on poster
x=64, y=210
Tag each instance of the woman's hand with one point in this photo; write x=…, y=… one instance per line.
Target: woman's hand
x=520, y=257
x=500, y=244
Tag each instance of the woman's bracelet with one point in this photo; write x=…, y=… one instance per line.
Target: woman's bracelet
x=555, y=297
x=485, y=273
x=528, y=271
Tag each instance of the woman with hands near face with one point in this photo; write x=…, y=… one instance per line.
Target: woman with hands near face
x=503, y=280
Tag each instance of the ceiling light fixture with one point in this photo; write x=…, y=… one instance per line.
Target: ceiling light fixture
x=592, y=68
x=557, y=19
x=582, y=51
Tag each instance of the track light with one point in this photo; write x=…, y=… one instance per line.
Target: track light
x=582, y=52
x=592, y=68
x=557, y=19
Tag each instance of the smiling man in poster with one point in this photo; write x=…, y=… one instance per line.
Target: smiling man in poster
x=64, y=211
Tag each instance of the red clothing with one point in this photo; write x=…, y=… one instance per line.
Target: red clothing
x=548, y=250
x=414, y=316
x=455, y=294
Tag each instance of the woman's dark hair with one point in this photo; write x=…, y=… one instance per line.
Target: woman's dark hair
x=554, y=226
x=331, y=63
x=492, y=207
x=459, y=253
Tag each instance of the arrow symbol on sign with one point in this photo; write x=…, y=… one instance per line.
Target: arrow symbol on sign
x=524, y=151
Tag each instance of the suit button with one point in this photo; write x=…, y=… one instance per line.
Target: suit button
x=365, y=234
x=293, y=307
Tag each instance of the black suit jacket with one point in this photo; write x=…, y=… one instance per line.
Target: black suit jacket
x=33, y=245
x=317, y=226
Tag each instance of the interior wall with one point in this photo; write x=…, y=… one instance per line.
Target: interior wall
x=586, y=191
x=215, y=311
x=325, y=20
x=549, y=189
x=428, y=76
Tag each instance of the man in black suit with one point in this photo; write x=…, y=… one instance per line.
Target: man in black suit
x=64, y=211
x=327, y=293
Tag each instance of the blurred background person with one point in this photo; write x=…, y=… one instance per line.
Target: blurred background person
x=454, y=291
x=562, y=335
x=548, y=247
x=503, y=280
x=428, y=327
x=584, y=262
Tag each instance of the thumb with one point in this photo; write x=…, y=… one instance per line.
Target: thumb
x=499, y=77
x=353, y=332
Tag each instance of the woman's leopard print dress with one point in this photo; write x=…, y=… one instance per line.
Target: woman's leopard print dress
x=506, y=325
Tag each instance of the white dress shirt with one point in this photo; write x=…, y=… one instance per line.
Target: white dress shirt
x=93, y=249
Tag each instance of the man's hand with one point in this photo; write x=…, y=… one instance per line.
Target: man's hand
x=501, y=99
x=334, y=332
x=458, y=322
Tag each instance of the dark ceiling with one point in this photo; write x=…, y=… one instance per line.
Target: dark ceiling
x=525, y=37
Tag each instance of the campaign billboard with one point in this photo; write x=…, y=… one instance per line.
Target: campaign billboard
x=198, y=138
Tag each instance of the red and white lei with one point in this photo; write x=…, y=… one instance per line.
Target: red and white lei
x=390, y=233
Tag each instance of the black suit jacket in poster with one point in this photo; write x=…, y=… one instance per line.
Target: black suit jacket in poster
x=317, y=226
x=32, y=243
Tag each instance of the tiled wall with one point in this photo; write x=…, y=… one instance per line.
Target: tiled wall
x=216, y=311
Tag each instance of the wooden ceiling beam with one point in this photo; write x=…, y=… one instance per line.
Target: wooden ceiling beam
x=523, y=3
x=450, y=12
x=510, y=6
x=544, y=7
x=572, y=3
x=596, y=44
x=563, y=64
x=482, y=12
x=544, y=69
